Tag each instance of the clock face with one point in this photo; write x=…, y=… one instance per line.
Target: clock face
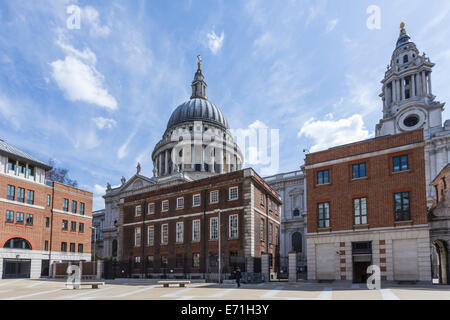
x=412, y=119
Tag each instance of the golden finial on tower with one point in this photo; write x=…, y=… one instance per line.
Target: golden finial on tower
x=402, y=28
x=199, y=62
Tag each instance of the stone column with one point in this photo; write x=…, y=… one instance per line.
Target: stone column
x=402, y=85
x=212, y=160
x=166, y=162
x=429, y=83
x=292, y=267
x=398, y=89
x=424, y=84
x=203, y=159
x=265, y=271
x=220, y=162
x=192, y=157
x=99, y=269
x=160, y=172
x=394, y=91
x=413, y=86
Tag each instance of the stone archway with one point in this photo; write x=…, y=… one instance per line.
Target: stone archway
x=441, y=251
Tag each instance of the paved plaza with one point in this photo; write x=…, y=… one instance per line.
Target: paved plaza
x=134, y=289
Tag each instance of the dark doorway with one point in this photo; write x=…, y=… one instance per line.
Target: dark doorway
x=16, y=269
x=360, y=271
x=362, y=259
x=45, y=268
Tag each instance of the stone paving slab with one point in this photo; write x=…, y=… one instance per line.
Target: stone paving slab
x=26, y=289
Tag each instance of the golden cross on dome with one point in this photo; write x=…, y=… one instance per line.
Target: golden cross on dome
x=199, y=62
x=402, y=28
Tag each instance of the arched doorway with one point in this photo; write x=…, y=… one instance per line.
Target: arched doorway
x=441, y=252
x=114, y=248
x=19, y=267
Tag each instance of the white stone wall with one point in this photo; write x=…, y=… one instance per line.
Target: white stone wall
x=419, y=237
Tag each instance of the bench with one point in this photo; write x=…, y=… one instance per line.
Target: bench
x=167, y=283
x=94, y=285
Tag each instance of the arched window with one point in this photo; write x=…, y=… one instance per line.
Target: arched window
x=296, y=213
x=297, y=242
x=405, y=59
x=114, y=248
x=17, y=243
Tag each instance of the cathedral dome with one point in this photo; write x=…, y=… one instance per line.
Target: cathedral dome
x=198, y=109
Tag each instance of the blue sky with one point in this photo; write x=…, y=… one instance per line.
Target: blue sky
x=97, y=99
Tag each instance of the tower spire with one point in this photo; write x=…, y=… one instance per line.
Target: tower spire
x=199, y=85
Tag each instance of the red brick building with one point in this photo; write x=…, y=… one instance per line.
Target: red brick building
x=40, y=221
x=366, y=204
x=177, y=229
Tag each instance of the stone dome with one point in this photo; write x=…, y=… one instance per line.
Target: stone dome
x=197, y=109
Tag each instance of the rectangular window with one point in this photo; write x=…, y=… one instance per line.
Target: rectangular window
x=46, y=245
x=21, y=168
x=82, y=208
x=19, y=217
x=29, y=220
x=179, y=234
x=73, y=226
x=233, y=193
x=213, y=260
x=48, y=200
x=402, y=206
x=47, y=222
x=164, y=233
x=233, y=227
x=30, y=171
x=63, y=246
x=81, y=227
x=72, y=247
x=65, y=225
x=324, y=215
x=30, y=196
x=164, y=261
x=196, y=260
x=262, y=234
x=262, y=199
x=196, y=230
x=277, y=232
x=359, y=170
x=137, y=260
x=11, y=165
x=151, y=235
x=21, y=195
x=9, y=216
x=213, y=228
x=74, y=206
x=400, y=163
x=80, y=248
x=179, y=261
x=11, y=193
x=165, y=206
x=137, y=211
x=180, y=203
x=137, y=237
x=151, y=208
x=214, y=196
x=196, y=200
x=150, y=260
x=270, y=232
x=66, y=205
x=323, y=177
x=360, y=211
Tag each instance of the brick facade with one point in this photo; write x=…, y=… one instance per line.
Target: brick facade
x=246, y=244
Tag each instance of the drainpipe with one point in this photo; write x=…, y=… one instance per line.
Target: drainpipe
x=143, y=263
x=51, y=231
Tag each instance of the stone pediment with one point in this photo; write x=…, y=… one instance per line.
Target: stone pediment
x=137, y=182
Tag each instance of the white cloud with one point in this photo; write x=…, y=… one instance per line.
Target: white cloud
x=91, y=16
x=215, y=42
x=332, y=24
x=104, y=123
x=79, y=80
x=9, y=112
x=99, y=190
x=329, y=133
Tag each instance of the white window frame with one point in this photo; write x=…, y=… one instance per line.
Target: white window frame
x=214, y=231
x=162, y=205
x=137, y=259
x=179, y=232
x=263, y=200
x=199, y=200
x=137, y=237
x=182, y=203
x=137, y=211
x=229, y=193
x=151, y=235
x=164, y=226
x=215, y=192
x=152, y=210
x=196, y=223
x=233, y=229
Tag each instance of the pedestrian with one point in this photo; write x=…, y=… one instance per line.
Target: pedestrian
x=238, y=277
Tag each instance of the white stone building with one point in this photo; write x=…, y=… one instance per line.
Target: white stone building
x=290, y=186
